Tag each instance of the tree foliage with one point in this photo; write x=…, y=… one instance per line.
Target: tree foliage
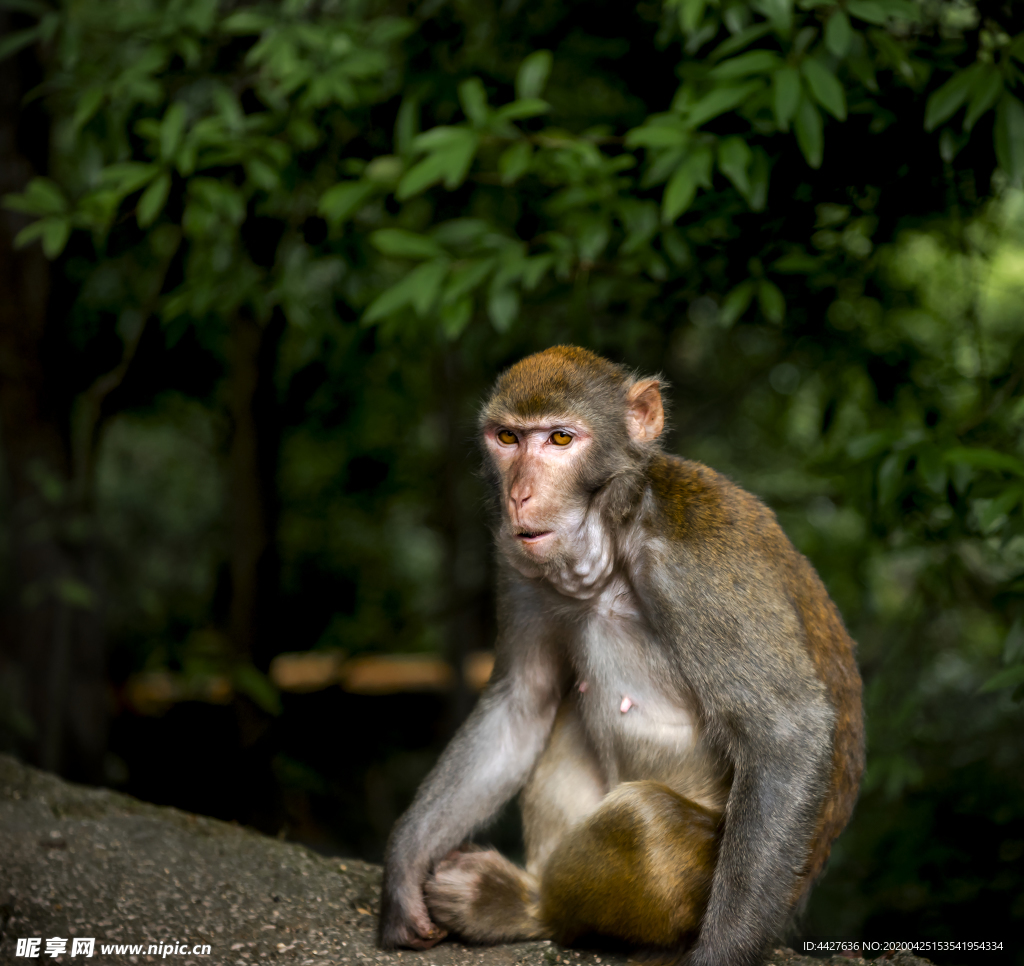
x=807, y=213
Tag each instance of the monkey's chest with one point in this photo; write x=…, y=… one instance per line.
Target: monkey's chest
x=638, y=727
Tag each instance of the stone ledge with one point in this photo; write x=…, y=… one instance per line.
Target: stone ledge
x=88, y=862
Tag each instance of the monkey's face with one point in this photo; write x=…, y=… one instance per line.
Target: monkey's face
x=539, y=464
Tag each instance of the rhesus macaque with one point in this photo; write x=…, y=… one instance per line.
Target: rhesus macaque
x=674, y=692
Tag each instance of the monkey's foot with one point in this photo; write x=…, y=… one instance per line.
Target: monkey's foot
x=484, y=898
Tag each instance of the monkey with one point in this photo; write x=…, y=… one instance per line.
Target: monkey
x=675, y=696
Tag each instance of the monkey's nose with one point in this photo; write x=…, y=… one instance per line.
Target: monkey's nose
x=518, y=501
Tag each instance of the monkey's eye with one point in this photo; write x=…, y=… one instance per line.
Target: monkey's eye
x=560, y=439
x=507, y=437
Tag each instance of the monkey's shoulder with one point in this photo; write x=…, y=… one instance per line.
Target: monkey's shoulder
x=695, y=503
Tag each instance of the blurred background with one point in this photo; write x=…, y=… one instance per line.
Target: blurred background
x=259, y=264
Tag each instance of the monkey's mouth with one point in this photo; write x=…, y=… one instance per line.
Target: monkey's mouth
x=532, y=536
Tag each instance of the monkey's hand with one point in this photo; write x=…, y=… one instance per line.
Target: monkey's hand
x=404, y=920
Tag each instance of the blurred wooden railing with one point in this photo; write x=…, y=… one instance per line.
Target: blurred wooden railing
x=153, y=692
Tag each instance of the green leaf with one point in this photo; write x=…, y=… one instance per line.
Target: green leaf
x=932, y=470
x=838, y=34
x=869, y=10
x=987, y=459
x=453, y=151
x=75, y=592
x=534, y=269
x=473, y=98
x=1008, y=678
x=128, y=176
x=455, y=317
x=518, y=110
x=341, y=201
x=12, y=43
x=515, y=161
x=1013, y=647
x=385, y=170
x=460, y=232
x=779, y=12
x=419, y=289
x=1009, y=138
x=738, y=41
x=153, y=200
x=890, y=478
x=261, y=174
x=902, y=9
x=992, y=513
x=55, y=234
x=503, y=308
x=171, y=129
x=87, y=106
x=438, y=138
x=1017, y=47
x=754, y=62
x=946, y=101
x=760, y=171
x=428, y=283
x=592, y=235
x=34, y=8
x=664, y=135
x=691, y=13
x=422, y=176
x=466, y=277
x=533, y=74
x=720, y=100
x=400, y=243
x=985, y=91
x=246, y=22
x=40, y=197
x=797, y=263
x=809, y=136
x=682, y=186
x=785, y=96
x=30, y=233
x=735, y=304
x=459, y=157
x=870, y=444
x=257, y=687
x=407, y=123
x=772, y=302
x=734, y=159
x=825, y=87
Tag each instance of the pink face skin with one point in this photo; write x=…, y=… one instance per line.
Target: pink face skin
x=536, y=461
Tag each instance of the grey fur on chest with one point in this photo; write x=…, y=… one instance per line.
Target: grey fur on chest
x=640, y=725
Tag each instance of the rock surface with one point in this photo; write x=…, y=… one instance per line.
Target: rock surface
x=95, y=864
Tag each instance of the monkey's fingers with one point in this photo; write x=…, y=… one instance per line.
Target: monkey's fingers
x=427, y=939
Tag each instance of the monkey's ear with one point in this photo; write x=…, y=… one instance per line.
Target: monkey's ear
x=645, y=414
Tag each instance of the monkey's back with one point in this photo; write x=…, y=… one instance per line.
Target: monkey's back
x=704, y=510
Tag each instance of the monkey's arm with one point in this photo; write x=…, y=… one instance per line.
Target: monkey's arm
x=486, y=763
x=746, y=658
x=779, y=779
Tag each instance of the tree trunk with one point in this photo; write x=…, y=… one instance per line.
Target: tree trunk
x=252, y=480
x=52, y=660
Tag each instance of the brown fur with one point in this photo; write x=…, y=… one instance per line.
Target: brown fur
x=638, y=869
x=700, y=506
x=557, y=381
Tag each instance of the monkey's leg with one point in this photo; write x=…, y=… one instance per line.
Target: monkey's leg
x=567, y=786
x=639, y=869
x=480, y=894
